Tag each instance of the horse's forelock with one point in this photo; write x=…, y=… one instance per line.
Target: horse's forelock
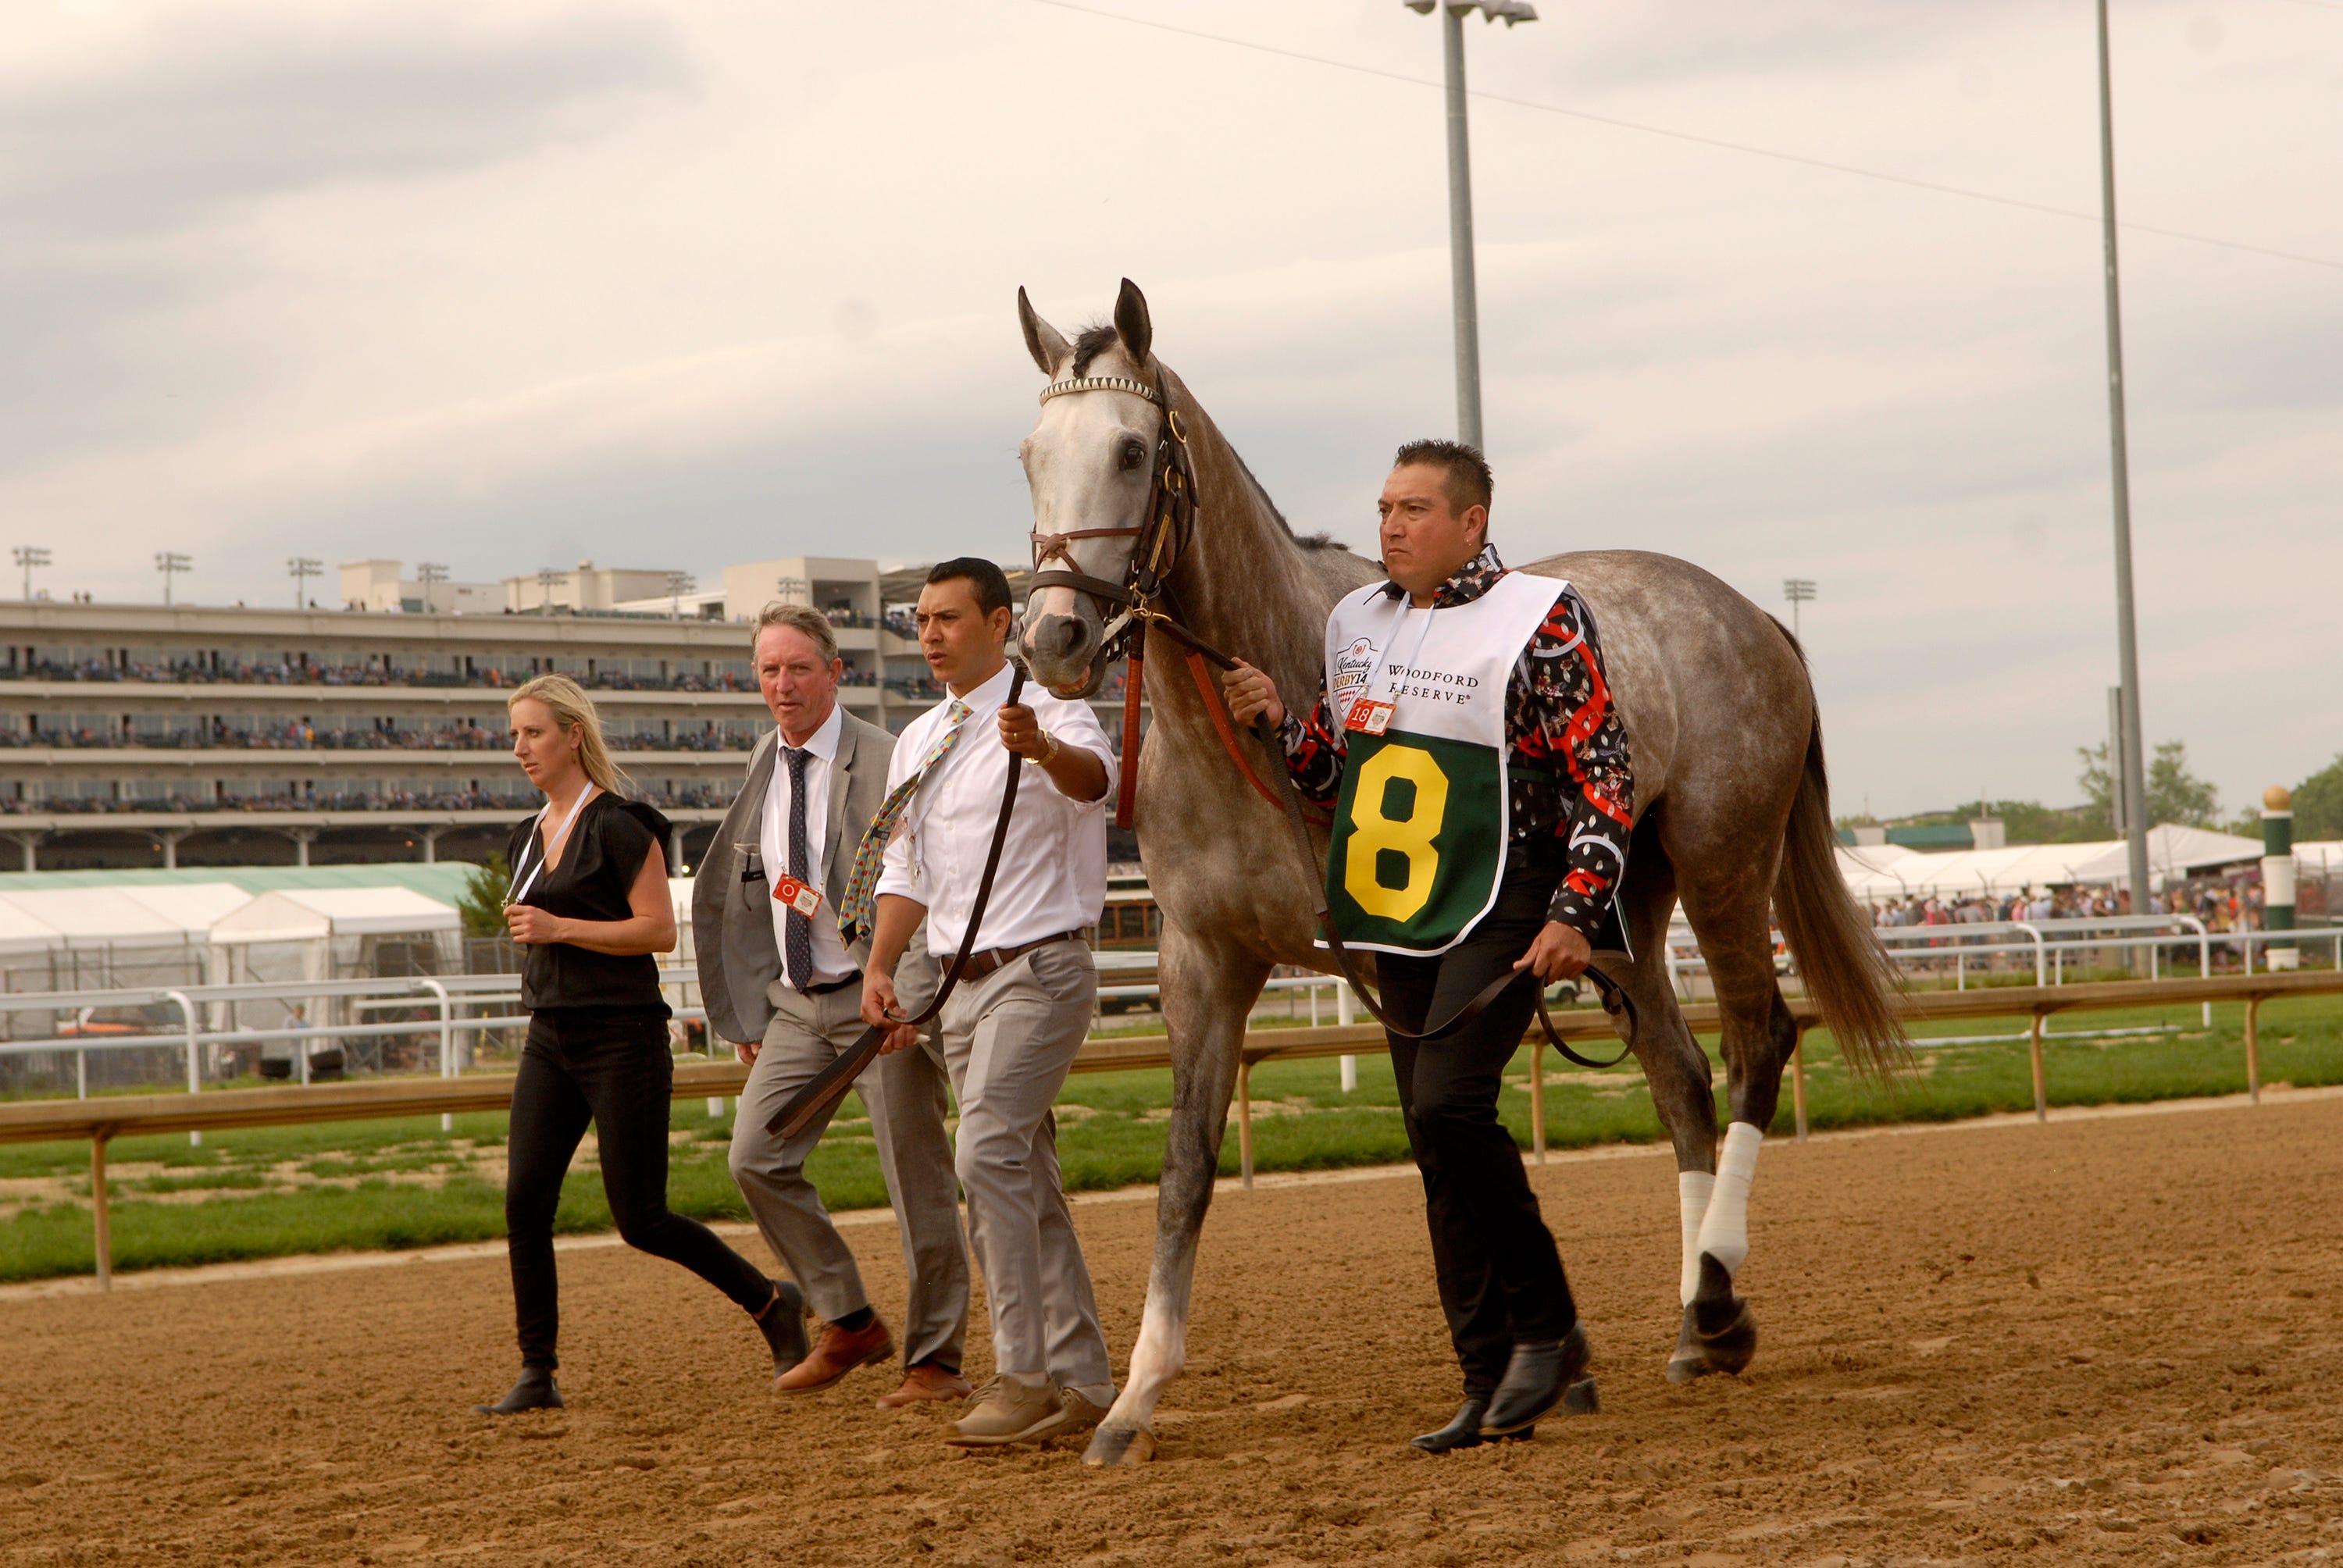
x=1093, y=341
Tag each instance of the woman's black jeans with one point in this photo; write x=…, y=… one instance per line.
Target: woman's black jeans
x=614, y=1072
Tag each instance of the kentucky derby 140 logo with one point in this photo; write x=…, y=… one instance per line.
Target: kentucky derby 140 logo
x=1352, y=665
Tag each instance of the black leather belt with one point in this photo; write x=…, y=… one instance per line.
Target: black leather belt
x=990, y=959
x=826, y=987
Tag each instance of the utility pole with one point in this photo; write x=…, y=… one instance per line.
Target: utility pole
x=171, y=563
x=301, y=568
x=28, y=556
x=2134, y=792
x=1463, y=291
x=1798, y=591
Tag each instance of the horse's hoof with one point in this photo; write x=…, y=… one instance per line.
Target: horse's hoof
x=1731, y=1348
x=1580, y=1399
x=1120, y=1447
x=1688, y=1364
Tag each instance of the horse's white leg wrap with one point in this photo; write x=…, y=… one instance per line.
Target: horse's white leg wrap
x=1155, y=1360
x=1692, y=1188
x=1724, y=1229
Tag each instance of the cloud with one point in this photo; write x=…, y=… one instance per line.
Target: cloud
x=509, y=283
x=210, y=108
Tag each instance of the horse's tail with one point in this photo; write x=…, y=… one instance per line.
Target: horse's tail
x=1844, y=969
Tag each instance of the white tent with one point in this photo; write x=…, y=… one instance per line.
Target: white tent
x=22, y=932
x=113, y=936
x=2173, y=852
x=322, y=914
x=288, y=935
x=2323, y=856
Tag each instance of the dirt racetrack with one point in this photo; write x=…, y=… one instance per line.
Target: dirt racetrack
x=2113, y=1340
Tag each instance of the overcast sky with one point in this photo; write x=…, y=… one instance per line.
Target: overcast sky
x=510, y=285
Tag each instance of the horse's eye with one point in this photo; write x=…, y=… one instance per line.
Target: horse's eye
x=1133, y=453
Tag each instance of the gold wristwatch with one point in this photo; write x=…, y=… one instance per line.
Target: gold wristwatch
x=1049, y=756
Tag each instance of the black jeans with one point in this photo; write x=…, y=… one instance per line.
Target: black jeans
x=617, y=1074
x=1501, y=1279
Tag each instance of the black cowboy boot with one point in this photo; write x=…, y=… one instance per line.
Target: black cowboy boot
x=535, y=1391
x=1535, y=1382
x=1464, y=1431
x=783, y=1324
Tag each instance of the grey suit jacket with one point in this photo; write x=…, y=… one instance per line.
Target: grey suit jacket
x=732, y=893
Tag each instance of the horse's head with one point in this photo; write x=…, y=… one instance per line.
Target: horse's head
x=1093, y=462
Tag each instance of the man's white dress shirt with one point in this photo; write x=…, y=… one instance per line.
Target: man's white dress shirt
x=1052, y=875
x=831, y=960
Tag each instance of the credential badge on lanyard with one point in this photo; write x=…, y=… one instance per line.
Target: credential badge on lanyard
x=520, y=890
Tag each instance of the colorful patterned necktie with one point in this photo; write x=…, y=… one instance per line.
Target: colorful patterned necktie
x=860, y=911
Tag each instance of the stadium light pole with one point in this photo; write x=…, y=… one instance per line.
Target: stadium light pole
x=2134, y=792
x=677, y=585
x=171, y=563
x=300, y=568
x=1463, y=288
x=429, y=574
x=1798, y=591
x=548, y=579
x=28, y=556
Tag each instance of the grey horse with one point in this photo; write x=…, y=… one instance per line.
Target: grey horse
x=1733, y=818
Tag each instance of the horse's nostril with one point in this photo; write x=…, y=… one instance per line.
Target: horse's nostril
x=1070, y=635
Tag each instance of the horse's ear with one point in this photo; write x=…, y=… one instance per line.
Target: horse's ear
x=1130, y=323
x=1042, y=340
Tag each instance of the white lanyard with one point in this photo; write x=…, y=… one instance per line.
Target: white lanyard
x=521, y=891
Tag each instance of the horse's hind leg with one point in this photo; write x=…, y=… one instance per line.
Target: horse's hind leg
x=1674, y=1064
x=1207, y=995
x=1731, y=916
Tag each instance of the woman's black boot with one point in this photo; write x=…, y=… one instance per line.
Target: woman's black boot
x=535, y=1391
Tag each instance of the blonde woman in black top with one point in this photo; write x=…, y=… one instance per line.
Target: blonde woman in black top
x=589, y=907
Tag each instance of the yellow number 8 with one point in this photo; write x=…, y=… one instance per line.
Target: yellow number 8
x=1373, y=832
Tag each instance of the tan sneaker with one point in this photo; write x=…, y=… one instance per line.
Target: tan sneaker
x=1081, y=1415
x=1009, y=1411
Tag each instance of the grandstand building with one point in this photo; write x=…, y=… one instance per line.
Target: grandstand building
x=180, y=735
x=137, y=735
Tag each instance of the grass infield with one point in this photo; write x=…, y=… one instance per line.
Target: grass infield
x=274, y=1192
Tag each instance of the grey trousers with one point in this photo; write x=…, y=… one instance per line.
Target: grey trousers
x=904, y=1093
x=1008, y=1039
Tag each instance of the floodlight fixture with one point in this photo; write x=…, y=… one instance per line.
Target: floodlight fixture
x=28, y=556
x=171, y=563
x=1463, y=289
x=300, y=568
x=1798, y=591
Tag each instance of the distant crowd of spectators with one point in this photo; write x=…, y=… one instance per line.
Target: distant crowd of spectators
x=296, y=736
x=326, y=800
x=2029, y=904
x=190, y=672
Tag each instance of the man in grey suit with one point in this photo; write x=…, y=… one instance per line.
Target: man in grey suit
x=781, y=982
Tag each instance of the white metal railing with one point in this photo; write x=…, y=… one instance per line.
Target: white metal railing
x=462, y=1006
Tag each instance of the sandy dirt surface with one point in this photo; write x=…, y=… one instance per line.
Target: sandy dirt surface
x=2107, y=1341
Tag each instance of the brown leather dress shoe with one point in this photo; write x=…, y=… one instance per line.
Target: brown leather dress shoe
x=836, y=1353
x=925, y=1383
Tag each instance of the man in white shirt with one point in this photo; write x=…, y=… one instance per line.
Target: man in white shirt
x=1026, y=998
x=780, y=980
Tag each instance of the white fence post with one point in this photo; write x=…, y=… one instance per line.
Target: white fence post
x=195, y=1061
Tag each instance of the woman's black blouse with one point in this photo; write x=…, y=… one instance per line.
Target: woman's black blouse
x=598, y=867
